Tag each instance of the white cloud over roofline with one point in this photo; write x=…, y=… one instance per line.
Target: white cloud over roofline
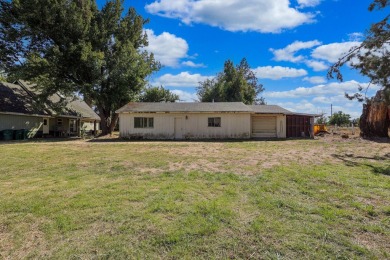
x=333, y=88
x=192, y=64
x=289, y=52
x=315, y=79
x=333, y=51
x=167, y=48
x=183, y=79
x=263, y=16
x=308, y=3
x=185, y=96
x=278, y=72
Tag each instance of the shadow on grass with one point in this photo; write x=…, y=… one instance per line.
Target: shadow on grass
x=117, y=139
x=382, y=140
x=40, y=140
x=349, y=160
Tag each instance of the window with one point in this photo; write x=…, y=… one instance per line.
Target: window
x=45, y=121
x=59, y=121
x=72, y=124
x=143, y=122
x=214, y=122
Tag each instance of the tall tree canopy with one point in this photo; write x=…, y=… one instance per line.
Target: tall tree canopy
x=372, y=59
x=72, y=46
x=158, y=94
x=234, y=84
x=340, y=119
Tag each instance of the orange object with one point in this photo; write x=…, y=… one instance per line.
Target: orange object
x=319, y=128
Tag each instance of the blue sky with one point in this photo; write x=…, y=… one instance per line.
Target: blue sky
x=289, y=44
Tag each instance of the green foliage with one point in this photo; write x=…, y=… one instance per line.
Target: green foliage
x=158, y=94
x=340, y=119
x=372, y=55
x=72, y=46
x=234, y=84
x=322, y=120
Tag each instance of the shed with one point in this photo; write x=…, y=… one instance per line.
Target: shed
x=217, y=120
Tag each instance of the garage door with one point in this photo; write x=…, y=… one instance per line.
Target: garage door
x=264, y=126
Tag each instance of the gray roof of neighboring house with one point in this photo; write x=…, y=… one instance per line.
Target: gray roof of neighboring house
x=139, y=107
x=64, y=106
x=14, y=99
x=269, y=109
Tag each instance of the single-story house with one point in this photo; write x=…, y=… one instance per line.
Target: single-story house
x=217, y=120
x=57, y=116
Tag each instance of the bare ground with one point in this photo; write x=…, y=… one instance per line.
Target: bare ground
x=257, y=155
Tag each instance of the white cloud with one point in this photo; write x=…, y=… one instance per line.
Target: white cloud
x=334, y=88
x=332, y=52
x=308, y=3
x=167, y=48
x=234, y=15
x=288, y=53
x=278, y=72
x=355, y=37
x=330, y=99
x=186, y=96
x=352, y=108
x=183, y=79
x=315, y=79
x=191, y=64
x=316, y=65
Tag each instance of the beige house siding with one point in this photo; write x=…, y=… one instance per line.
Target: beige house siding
x=16, y=122
x=89, y=126
x=190, y=125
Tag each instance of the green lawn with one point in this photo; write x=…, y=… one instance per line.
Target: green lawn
x=290, y=199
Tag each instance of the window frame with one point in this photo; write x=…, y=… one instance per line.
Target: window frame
x=60, y=122
x=144, y=122
x=214, y=121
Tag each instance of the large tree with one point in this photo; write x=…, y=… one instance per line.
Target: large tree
x=233, y=84
x=158, y=94
x=371, y=58
x=72, y=46
x=340, y=119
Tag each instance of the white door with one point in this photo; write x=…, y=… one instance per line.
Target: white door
x=45, y=127
x=264, y=126
x=178, y=128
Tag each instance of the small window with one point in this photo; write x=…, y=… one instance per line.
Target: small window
x=45, y=121
x=59, y=121
x=214, y=122
x=143, y=122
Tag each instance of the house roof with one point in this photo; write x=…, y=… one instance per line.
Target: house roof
x=63, y=106
x=204, y=107
x=14, y=99
x=269, y=109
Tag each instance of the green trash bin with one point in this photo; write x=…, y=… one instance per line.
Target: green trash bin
x=8, y=134
x=25, y=134
x=18, y=134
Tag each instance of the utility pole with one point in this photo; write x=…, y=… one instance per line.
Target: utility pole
x=331, y=110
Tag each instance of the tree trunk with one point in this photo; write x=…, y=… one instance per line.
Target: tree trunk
x=108, y=124
x=375, y=119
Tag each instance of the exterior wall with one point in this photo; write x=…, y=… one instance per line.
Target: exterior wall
x=300, y=126
x=194, y=126
x=89, y=125
x=16, y=122
x=280, y=125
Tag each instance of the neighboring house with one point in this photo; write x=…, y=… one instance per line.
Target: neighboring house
x=57, y=116
x=219, y=120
